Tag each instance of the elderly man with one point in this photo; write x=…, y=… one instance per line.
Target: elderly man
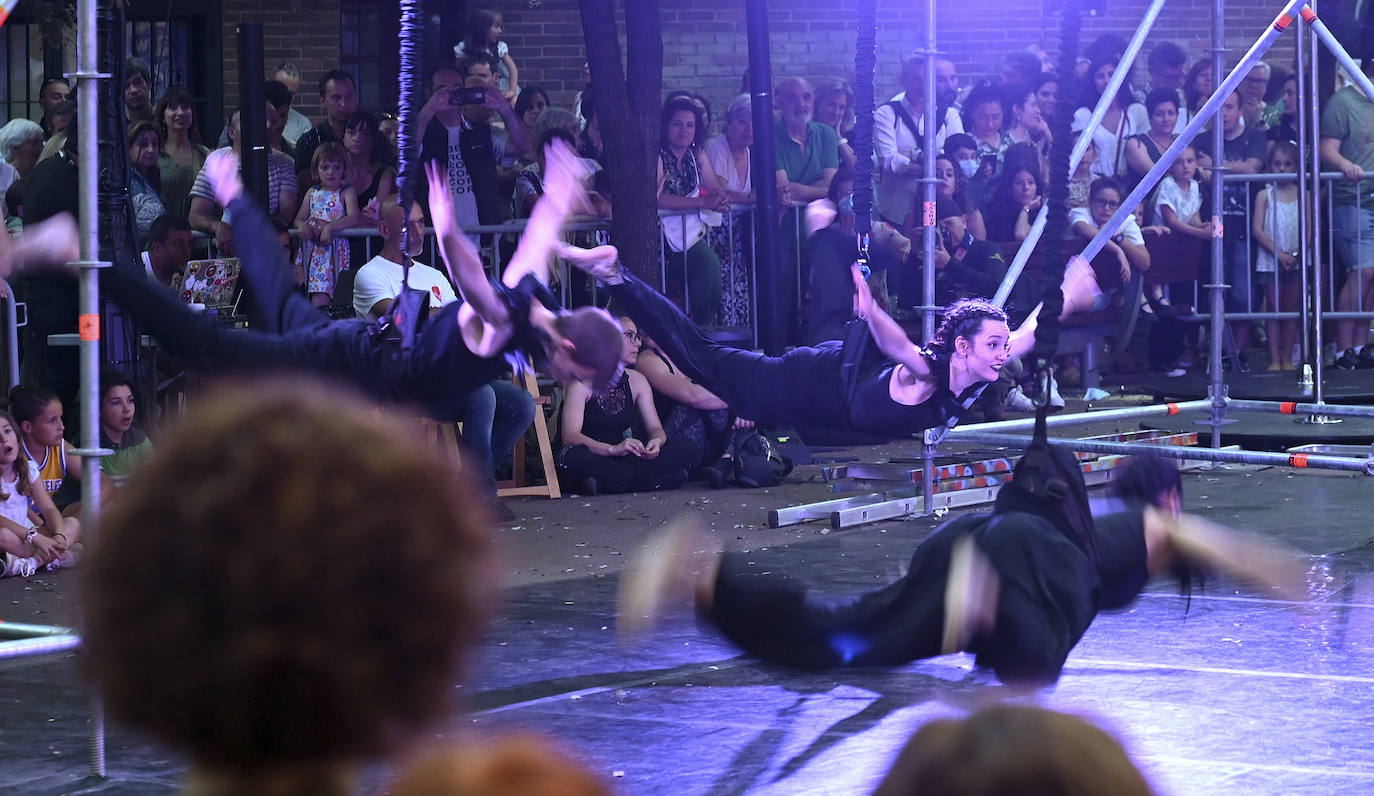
x=206, y=214
x=898, y=137
x=1251, y=92
x=21, y=142
x=807, y=152
x=297, y=123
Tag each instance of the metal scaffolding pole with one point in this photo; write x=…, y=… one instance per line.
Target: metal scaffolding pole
x=1307, y=234
x=87, y=85
x=1352, y=67
x=1296, y=408
x=1301, y=460
x=928, y=221
x=1314, y=193
x=1218, y=286
x=1080, y=148
x=958, y=433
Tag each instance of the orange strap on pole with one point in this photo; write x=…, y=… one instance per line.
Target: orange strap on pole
x=1281, y=22
x=89, y=328
x=6, y=6
x=1173, y=408
x=1288, y=408
x=1308, y=15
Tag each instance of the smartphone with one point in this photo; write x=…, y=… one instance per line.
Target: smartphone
x=468, y=95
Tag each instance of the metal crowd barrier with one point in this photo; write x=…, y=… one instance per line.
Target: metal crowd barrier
x=1251, y=311
x=737, y=221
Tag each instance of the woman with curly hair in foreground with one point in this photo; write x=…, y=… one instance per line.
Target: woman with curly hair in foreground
x=320, y=577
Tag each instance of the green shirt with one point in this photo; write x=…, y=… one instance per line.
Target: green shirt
x=1349, y=116
x=806, y=166
x=128, y=452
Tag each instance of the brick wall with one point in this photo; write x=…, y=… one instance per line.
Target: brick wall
x=290, y=32
x=705, y=47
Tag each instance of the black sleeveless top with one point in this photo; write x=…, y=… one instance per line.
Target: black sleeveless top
x=609, y=415
x=872, y=410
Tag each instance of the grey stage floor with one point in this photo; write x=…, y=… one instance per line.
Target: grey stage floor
x=1241, y=694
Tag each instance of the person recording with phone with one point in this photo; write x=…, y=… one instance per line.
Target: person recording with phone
x=458, y=133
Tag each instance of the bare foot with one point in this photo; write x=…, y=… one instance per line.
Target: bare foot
x=970, y=596
x=1079, y=286
x=601, y=262
x=54, y=241
x=673, y=567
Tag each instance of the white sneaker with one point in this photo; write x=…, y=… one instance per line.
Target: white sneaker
x=1056, y=400
x=22, y=567
x=1018, y=401
x=67, y=559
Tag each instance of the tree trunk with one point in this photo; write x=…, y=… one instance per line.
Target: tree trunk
x=627, y=110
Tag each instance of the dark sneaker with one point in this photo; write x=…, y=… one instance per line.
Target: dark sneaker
x=1348, y=360
x=1365, y=359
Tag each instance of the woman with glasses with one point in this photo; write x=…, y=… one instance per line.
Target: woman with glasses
x=613, y=440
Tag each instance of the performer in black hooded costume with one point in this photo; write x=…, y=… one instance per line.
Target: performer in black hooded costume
x=1016, y=587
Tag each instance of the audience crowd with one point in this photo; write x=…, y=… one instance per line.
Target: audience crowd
x=332, y=192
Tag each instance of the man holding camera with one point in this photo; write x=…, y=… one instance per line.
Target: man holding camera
x=456, y=121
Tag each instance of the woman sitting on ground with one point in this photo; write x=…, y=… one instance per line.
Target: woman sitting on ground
x=689, y=411
x=613, y=440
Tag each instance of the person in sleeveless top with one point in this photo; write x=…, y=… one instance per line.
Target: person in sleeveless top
x=892, y=389
x=613, y=439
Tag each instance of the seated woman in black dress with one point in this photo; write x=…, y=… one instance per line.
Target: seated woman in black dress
x=613, y=440
x=884, y=385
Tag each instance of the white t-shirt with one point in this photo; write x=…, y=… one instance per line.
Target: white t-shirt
x=460, y=178
x=1186, y=204
x=723, y=161
x=896, y=148
x=381, y=279
x=1129, y=230
x=16, y=507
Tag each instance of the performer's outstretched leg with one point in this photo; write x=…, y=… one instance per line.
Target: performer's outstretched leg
x=266, y=272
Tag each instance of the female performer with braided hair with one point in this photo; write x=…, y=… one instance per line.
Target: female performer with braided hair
x=896, y=391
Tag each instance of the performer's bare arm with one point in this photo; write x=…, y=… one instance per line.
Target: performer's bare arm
x=887, y=333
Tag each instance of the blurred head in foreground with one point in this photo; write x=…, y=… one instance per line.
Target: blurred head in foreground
x=1027, y=751
x=289, y=586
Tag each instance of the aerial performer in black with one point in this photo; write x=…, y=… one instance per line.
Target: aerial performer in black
x=876, y=382
x=1017, y=587
x=446, y=355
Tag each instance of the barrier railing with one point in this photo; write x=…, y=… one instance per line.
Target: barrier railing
x=731, y=240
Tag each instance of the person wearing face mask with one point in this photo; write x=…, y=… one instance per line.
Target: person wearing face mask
x=963, y=151
x=899, y=135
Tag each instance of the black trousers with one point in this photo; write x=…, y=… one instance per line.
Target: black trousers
x=1049, y=593
x=296, y=337
x=617, y=474
x=801, y=387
